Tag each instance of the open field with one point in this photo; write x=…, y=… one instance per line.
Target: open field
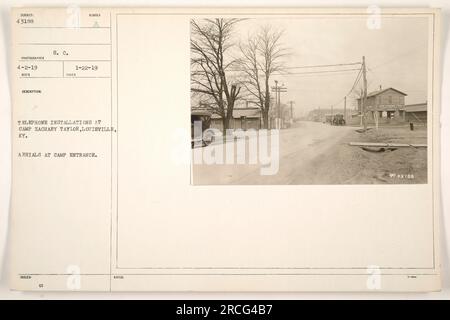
x=353, y=165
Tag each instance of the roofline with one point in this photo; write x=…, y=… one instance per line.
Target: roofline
x=200, y=113
x=384, y=90
x=373, y=94
x=416, y=104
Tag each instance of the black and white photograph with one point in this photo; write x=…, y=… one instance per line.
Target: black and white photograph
x=309, y=100
x=225, y=151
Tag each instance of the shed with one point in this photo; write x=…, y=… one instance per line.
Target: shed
x=243, y=118
x=389, y=103
x=416, y=112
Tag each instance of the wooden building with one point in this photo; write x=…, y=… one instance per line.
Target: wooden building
x=416, y=113
x=388, y=103
x=243, y=118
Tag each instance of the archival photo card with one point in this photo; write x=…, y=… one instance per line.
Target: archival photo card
x=225, y=149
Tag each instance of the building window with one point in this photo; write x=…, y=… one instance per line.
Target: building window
x=390, y=99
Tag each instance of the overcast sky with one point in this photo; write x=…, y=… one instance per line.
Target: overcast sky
x=396, y=56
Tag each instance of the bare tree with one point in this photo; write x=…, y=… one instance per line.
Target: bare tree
x=262, y=55
x=211, y=40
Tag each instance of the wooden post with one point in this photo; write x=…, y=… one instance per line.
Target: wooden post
x=345, y=108
x=364, y=100
x=332, y=115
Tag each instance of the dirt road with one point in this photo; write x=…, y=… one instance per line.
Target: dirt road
x=301, y=149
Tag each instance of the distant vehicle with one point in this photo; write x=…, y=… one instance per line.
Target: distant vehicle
x=338, y=120
x=198, y=137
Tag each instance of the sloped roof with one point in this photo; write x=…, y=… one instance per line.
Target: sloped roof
x=416, y=107
x=249, y=112
x=375, y=93
x=243, y=112
x=199, y=112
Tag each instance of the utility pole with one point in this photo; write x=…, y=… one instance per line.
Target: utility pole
x=332, y=116
x=292, y=110
x=361, y=107
x=364, y=100
x=278, y=90
x=279, y=103
x=345, y=108
x=277, y=94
